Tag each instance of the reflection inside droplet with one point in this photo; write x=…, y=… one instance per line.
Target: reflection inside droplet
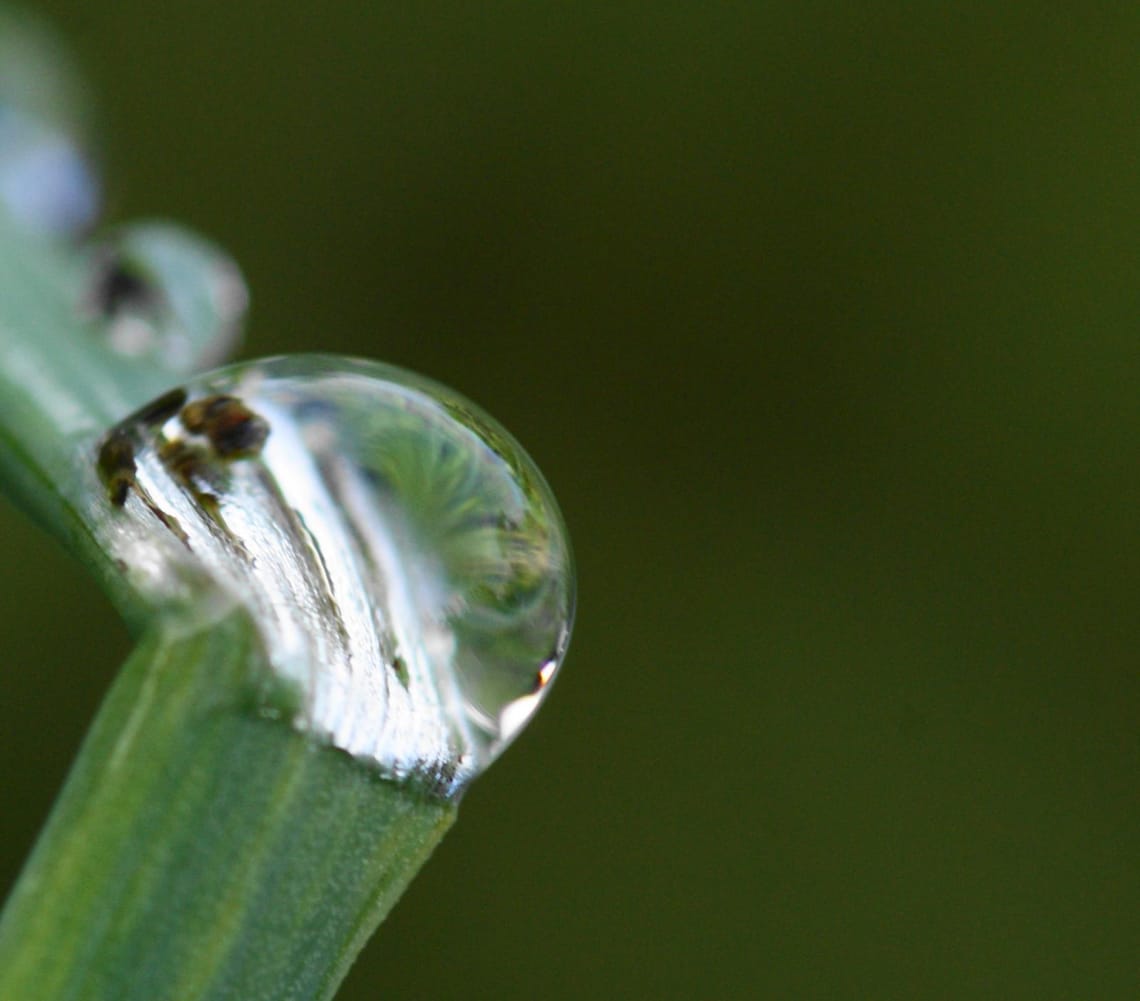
x=402, y=555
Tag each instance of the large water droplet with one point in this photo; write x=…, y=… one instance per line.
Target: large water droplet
x=403, y=556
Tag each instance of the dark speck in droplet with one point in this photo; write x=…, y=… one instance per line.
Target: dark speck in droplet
x=117, y=285
x=187, y=461
x=158, y=411
x=117, y=465
x=401, y=668
x=234, y=430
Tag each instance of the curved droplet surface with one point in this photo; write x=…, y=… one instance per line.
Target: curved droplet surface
x=404, y=558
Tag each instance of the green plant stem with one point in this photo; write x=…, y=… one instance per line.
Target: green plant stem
x=60, y=387
x=200, y=850
x=203, y=848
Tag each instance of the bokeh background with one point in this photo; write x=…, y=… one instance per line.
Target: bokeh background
x=822, y=320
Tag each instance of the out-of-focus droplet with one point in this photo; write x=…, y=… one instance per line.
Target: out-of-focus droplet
x=404, y=558
x=47, y=182
x=166, y=296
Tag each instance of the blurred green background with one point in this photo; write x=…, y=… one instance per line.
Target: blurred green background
x=821, y=319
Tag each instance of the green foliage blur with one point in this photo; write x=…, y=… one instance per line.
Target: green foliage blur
x=821, y=319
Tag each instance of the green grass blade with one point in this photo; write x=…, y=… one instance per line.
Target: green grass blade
x=204, y=850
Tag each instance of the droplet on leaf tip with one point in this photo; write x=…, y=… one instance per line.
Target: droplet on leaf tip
x=403, y=556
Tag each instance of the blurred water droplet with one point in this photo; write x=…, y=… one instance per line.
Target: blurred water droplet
x=47, y=182
x=403, y=556
x=165, y=296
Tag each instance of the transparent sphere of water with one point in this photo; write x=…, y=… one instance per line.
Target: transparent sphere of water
x=403, y=556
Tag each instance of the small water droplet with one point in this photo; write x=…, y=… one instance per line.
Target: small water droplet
x=403, y=556
x=166, y=296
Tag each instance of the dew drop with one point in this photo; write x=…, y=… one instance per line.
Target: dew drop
x=403, y=557
x=47, y=182
x=164, y=295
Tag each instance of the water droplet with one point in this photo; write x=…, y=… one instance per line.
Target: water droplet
x=403, y=556
x=47, y=182
x=165, y=296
